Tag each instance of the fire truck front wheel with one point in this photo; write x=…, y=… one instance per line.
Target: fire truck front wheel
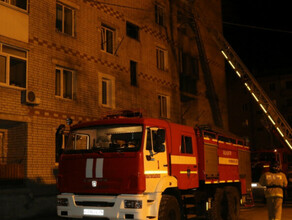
x=169, y=208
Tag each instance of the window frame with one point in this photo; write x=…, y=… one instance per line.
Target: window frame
x=159, y=15
x=161, y=59
x=164, y=106
x=103, y=38
x=185, y=148
x=7, y=70
x=63, y=19
x=8, y=2
x=110, y=90
x=61, y=82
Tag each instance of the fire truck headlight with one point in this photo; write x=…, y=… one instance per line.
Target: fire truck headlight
x=133, y=204
x=62, y=202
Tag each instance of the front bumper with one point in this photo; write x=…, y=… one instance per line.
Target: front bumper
x=108, y=207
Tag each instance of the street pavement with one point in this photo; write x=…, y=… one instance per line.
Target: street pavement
x=258, y=212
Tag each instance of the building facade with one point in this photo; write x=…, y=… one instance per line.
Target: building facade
x=84, y=59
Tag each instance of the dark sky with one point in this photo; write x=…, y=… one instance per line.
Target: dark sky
x=260, y=31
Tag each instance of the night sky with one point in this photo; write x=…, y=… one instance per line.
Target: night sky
x=260, y=31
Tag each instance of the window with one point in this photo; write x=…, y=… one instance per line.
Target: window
x=159, y=15
x=107, y=90
x=64, y=83
x=65, y=19
x=17, y=3
x=161, y=59
x=186, y=145
x=163, y=106
x=132, y=30
x=189, y=73
x=13, y=66
x=107, y=39
x=133, y=72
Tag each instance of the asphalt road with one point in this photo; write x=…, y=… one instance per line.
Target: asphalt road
x=258, y=212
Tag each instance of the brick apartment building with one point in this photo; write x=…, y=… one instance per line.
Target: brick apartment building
x=85, y=59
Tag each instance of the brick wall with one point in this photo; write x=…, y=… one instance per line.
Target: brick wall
x=48, y=48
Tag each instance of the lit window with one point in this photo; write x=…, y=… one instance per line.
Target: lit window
x=13, y=66
x=133, y=72
x=159, y=15
x=64, y=83
x=164, y=110
x=161, y=59
x=17, y=3
x=65, y=19
x=132, y=30
x=106, y=90
x=107, y=39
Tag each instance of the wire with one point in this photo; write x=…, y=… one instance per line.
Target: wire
x=256, y=27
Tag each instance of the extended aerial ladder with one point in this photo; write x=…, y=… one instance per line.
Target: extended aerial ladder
x=246, y=77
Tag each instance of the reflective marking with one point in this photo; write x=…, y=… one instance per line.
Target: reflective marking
x=207, y=182
x=222, y=181
x=186, y=172
x=186, y=160
x=229, y=181
x=99, y=168
x=155, y=172
x=228, y=161
x=89, y=166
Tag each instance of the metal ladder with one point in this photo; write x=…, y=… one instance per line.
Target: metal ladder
x=210, y=92
x=246, y=77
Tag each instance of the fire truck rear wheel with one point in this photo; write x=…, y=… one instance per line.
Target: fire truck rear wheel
x=219, y=209
x=169, y=208
x=233, y=200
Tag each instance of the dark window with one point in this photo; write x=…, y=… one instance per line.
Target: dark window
x=104, y=92
x=13, y=64
x=189, y=73
x=132, y=30
x=107, y=39
x=17, y=72
x=18, y=3
x=159, y=15
x=186, y=145
x=289, y=85
x=64, y=19
x=133, y=72
x=64, y=83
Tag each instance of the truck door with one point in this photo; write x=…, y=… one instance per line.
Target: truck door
x=155, y=157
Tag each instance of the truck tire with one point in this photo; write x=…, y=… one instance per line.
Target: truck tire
x=219, y=210
x=169, y=208
x=233, y=200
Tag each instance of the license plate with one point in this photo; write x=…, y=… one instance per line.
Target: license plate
x=93, y=212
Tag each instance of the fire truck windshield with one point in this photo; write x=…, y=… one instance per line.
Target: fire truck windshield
x=105, y=138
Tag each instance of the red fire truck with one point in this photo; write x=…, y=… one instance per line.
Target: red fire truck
x=144, y=168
